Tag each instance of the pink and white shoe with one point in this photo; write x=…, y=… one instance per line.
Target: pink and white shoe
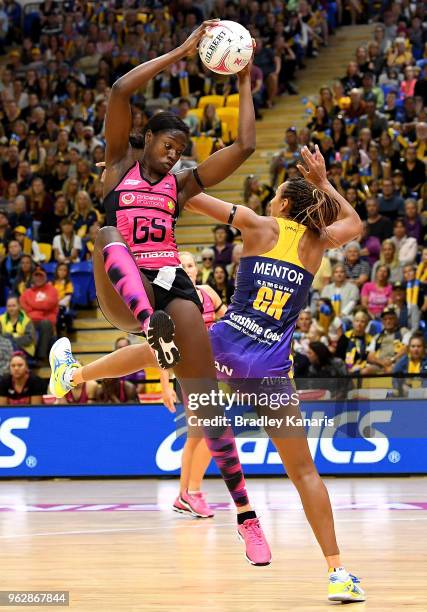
x=194, y=504
x=257, y=548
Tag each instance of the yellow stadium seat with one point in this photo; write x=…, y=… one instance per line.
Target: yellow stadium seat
x=217, y=101
x=231, y=117
x=233, y=101
x=203, y=146
x=46, y=250
x=154, y=387
x=196, y=112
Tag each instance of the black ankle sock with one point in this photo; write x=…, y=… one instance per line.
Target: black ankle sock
x=244, y=516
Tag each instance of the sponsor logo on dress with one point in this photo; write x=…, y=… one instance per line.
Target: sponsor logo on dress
x=171, y=205
x=132, y=182
x=128, y=198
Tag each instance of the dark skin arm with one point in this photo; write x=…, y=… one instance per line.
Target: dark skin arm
x=223, y=163
x=118, y=121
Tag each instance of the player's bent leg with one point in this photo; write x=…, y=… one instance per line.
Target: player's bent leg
x=116, y=272
x=196, y=375
x=68, y=373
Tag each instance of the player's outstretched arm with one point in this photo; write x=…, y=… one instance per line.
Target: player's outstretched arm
x=348, y=224
x=118, y=121
x=243, y=218
x=223, y=163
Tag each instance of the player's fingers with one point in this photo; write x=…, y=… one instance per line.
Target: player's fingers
x=303, y=171
x=306, y=155
x=100, y=164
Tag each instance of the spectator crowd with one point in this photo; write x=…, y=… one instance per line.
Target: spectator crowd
x=368, y=304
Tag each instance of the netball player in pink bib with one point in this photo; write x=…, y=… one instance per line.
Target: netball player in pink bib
x=141, y=286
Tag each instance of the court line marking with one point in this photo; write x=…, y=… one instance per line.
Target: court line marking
x=161, y=527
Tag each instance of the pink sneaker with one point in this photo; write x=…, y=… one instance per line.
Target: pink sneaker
x=194, y=504
x=257, y=548
x=178, y=507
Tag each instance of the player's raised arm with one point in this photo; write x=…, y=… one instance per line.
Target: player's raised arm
x=348, y=224
x=224, y=162
x=118, y=121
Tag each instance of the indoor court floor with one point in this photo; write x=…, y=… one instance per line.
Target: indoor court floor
x=116, y=545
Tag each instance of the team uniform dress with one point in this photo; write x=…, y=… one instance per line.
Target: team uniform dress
x=145, y=214
x=253, y=339
x=208, y=309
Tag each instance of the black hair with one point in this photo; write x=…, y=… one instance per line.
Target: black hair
x=310, y=206
x=322, y=352
x=161, y=122
x=418, y=335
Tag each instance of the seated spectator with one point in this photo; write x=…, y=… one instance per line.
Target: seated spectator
x=407, y=86
x=210, y=125
x=5, y=230
x=414, y=362
x=23, y=278
x=326, y=320
x=331, y=370
x=67, y=246
x=319, y=124
x=416, y=294
x=65, y=289
x=89, y=240
x=352, y=346
x=80, y=394
x=205, y=275
x=413, y=170
x=10, y=264
x=391, y=205
x=301, y=338
x=21, y=386
x=41, y=304
x=40, y=202
x=356, y=270
x=233, y=268
x=28, y=246
x=377, y=225
x=116, y=391
x=388, y=257
x=343, y=294
x=406, y=247
x=51, y=224
x=399, y=55
x=19, y=215
x=84, y=214
x=408, y=314
x=18, y=328
x=374, y=120
x=414, y=228
x=221, y=283
x=256, y=195
x=388, y=346
x=6, y=351
x=370, y=246
x=376, y=295
x=223, y=249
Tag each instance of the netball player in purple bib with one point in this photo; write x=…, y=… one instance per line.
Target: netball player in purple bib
x=252, y=341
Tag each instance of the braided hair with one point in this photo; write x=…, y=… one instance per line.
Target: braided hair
x=164, y=121
x=310, y=206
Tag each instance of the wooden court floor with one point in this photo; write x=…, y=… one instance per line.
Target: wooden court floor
x=116, y=545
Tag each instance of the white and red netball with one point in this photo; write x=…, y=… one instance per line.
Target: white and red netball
x=227, y=48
